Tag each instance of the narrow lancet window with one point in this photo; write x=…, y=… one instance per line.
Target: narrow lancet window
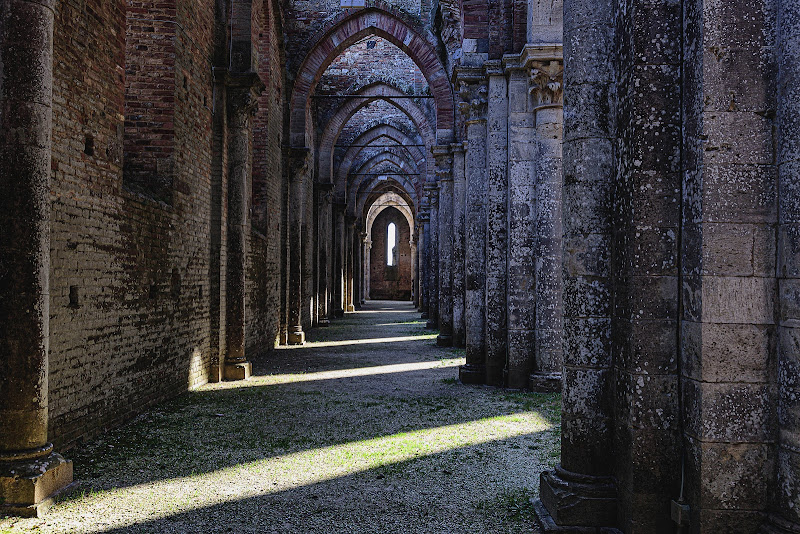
x=391, y=244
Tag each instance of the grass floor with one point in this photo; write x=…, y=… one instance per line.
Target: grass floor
x=364, y=429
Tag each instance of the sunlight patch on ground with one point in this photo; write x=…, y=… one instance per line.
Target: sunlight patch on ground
x=368, y=341
x=363, y=371
x=165, y=498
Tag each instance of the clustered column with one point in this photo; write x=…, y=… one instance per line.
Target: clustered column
x=473, y=92
x=30, y=472
x=432, y=192
x=324, y=260
x=444, y=173
x=298, y=168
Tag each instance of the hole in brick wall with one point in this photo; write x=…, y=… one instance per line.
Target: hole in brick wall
x=88, y=145
x=74, y=297
x=153, y=291
x=175, y=284
x=186, y=82
x=200, y=292
x=205, y=101
x=371, y=44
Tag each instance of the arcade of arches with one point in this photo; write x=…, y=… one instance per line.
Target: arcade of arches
x=598, y=197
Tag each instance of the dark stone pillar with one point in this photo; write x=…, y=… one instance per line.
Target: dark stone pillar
x=459, y=205
x=444, y=174
x=785, y=517
x=474, y=91
x=423, y=254
x=325, y=257
x=243, y=91
x=432, y=191
x=298, y=168
x=350, y=258
x=580, y=495
x=30, y=472
x=339, y=263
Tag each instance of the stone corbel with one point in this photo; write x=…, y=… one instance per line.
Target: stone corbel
x=444, y=162
x=473, y=89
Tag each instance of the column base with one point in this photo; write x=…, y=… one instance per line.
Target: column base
x=238, y=371
x=338, y=313
x=548, y=526
x=324, y=322
x=283, y=338
x=424, y=315
x=29, y=488
x=215, y=373
x=472, y=374
x=297, y=338
x=350, y=308
x=576, y=502
x=777, y=525
x=545, y=382
x=431, y=324
x=444, y=340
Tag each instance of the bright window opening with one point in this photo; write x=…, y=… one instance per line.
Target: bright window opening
x=391, y=244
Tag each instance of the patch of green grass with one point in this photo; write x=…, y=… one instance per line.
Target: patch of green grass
x=548, y=404
x=511, y=506
x=451, y=380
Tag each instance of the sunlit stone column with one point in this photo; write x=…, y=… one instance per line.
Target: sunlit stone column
x=546, y=79
x=432, y=191
x=459, y=204
x=444, y=174
x=30, y=472
x=521, y=226
x=473, y=91
x=581, y=491
x=496, y=224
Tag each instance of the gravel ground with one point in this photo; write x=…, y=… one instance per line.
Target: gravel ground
x=365, y=429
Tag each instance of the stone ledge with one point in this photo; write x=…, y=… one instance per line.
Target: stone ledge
x=29, y=489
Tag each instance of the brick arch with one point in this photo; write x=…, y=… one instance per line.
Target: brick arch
x=371, y=93
x=389, y=186
x=347, y=31
x=384, y=130
x=357, y=181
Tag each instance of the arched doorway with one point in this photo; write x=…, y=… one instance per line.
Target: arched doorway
x=391, y=266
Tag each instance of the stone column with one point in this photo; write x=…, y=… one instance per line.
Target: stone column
x=473, y=91
x=581, y=492
x=459, y=208
x=349, y=259
x=444, y=174
x=367, y=268
x=546, y=82
x=325, y=258
x=414, y=274
x=30, y=472
x=521, y=228
x=365, y=257
x=422, y=258
x=432, y=192
x=339, y=263
x=496, y=224
x=785, y=518
x=299, y=159
x=243, y=91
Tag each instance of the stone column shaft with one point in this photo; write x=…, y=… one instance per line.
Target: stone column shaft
x=433, y=247
x=30, y=472
x=349, y=260
x=298, y=176
x=339, y=264
x=786, y=516
x=496, y=224
x=459, y=205
x=325, y=258
x=474, y=92
x=521, y=231
x=243, y=91
x=444, y=173
x=581, y=492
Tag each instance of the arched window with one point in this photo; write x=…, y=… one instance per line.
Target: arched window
x=391, y=243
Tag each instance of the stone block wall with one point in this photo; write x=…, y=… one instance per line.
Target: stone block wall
x=390, y=283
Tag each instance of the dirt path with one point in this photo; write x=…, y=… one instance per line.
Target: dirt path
x=364, y=430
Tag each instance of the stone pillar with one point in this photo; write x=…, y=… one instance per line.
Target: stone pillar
x=581, y=492
x=424, y=222
x=432, y=192
x=414, y=273
x=521, y=228
x=473, y=90
x=365, y=258
x=496, y=224
x=350, y=256
x=367, y=268
x=325, y=257
x=30, y=472
x=243, y=92
x=444, y=174
x=298, y=174
x=459, y=205
x=546, y=81
x=786, y=515
x=339, y=263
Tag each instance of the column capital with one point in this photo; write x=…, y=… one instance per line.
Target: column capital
x=444, y=162
x=457, y=148
x=298, y=159
x=494, y=67
x=473, y=89
x=547, y=83
x=244, y=90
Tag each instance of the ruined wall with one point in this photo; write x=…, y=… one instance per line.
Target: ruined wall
x=388, y=283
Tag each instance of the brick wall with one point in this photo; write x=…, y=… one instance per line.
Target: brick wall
x=387, y=283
